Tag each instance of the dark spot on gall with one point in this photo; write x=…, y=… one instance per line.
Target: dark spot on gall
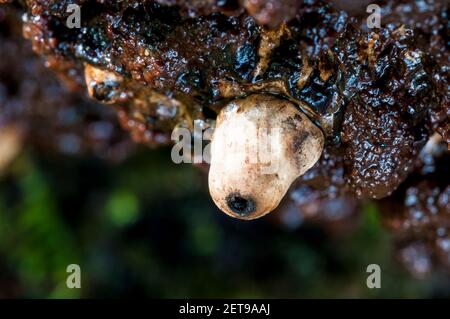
x=240, y=205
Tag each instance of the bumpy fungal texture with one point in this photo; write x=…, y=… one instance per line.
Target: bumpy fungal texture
x=430, y=22
x=385, y=124
x=376, y=94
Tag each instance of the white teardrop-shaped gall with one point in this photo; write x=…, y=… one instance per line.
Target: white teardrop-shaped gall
x=261, y=144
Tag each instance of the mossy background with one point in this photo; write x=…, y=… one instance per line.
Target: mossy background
x=147, y=228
